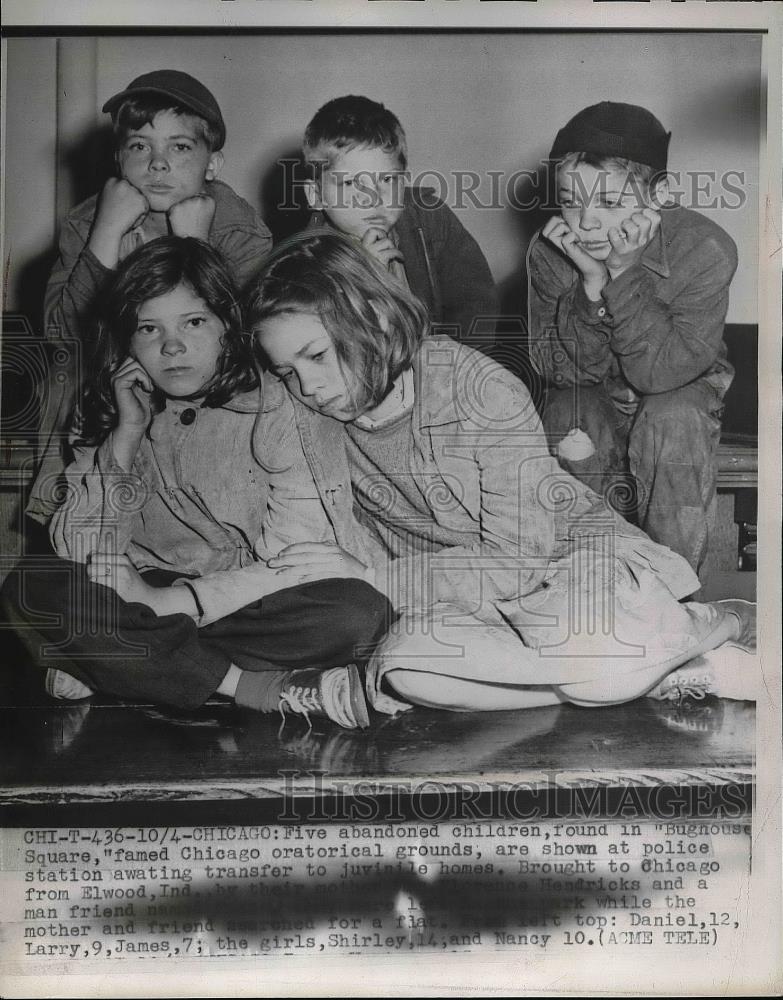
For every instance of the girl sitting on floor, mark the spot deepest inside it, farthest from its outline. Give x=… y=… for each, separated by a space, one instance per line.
x=516 y=585
x=184 y=469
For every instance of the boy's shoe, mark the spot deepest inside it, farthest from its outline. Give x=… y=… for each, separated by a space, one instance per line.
x=745 y=611
x=62 y=686
x=726 y=672
x=337 y=694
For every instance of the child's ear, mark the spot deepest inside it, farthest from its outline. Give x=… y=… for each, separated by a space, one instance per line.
x=214 y=166
x=313 y=194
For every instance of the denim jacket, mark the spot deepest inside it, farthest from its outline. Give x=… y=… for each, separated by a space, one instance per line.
x=658 y=326
x=479 y=441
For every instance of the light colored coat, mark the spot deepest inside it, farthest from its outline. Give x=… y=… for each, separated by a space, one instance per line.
x=478 y=442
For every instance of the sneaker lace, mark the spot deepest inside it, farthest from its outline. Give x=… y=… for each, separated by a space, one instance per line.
x=299 y=700
x=688 y=687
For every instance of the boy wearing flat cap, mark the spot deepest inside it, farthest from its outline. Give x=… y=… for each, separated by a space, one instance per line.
x=628 y=295
x=169 y=132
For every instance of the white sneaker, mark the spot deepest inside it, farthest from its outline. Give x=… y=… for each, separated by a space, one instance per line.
x=726 y=672
x=61 y=685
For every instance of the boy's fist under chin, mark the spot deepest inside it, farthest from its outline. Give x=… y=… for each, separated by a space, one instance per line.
x=192 y=216
x=121 y=206
x=594 y=273
x=382 y=247
x=629 y=239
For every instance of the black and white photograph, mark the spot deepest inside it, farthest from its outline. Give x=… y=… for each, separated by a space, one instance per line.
x=390 y=499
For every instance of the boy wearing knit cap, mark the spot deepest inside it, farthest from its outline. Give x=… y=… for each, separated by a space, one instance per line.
x=628 y=295
x=169 y=133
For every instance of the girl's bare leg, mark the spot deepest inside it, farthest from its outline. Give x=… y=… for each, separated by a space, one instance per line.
x=449 y=660
x=457 y=694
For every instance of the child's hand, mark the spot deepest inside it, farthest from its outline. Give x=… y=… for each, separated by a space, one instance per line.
x=121 y=206
x=132 y=387
x=306 y=561
x=119 y=574
x=192 y=216
x=382 y=247
x=629 y=240
x=594 y=274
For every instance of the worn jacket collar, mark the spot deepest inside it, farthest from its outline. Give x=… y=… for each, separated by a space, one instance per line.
x=440 y=368
x=248 y=402
x=655 y=257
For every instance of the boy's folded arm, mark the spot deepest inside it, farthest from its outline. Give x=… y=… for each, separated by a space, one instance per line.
x=73 y=285
x=664 y=345
x=569 y=334
x=101 y=506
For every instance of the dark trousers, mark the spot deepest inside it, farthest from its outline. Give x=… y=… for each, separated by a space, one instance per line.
x=126 y=650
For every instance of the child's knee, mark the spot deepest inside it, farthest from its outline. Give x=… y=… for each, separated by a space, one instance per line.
x=360 y=616
x=686 y=420
x=610 y=689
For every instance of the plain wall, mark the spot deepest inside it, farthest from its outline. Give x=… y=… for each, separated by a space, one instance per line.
x=475 y=102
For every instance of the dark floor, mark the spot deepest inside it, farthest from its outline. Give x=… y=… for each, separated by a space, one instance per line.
x=102 y=752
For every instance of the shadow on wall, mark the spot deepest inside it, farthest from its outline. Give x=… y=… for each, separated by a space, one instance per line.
x=281 y=199
x=86 y=165
x=524 y=207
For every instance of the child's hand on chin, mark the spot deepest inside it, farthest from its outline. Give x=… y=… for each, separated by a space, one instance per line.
x=594 y=273
x=132 y=389
x=382 y=247
x=121 y=206
x=192 y=216
x=630 y=239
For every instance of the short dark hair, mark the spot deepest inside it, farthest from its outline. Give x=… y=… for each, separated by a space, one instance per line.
x=136 y=112
x=376 y=329
x=152 y=270
x=353 y=122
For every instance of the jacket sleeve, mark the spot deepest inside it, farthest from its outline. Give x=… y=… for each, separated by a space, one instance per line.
x=102 y=506
x=465 y=283
x=516 y=525
x=76 y=278
x=569 y=334
x=664 y=345
x=244 y=245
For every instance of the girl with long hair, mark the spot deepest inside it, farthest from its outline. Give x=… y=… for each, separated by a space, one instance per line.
x=515 y=584
x=186 y=479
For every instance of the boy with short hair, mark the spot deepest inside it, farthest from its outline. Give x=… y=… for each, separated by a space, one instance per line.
x=357 y=152
x=169 y=133
x=628 y=295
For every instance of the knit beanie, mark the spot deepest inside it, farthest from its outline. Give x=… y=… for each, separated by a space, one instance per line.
x=610 y=129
